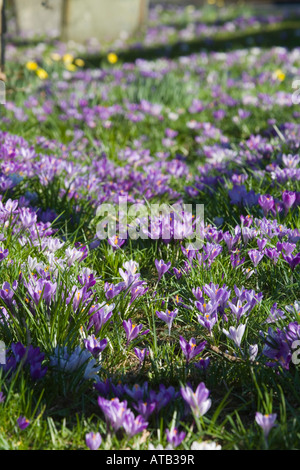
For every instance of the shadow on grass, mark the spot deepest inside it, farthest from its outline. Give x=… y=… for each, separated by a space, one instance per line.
x=283 y=35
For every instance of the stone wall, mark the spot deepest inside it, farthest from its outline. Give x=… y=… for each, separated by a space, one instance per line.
x=102 y=19
x=33 y=17
x=79 y=20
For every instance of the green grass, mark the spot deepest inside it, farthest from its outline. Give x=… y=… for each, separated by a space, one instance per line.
x=62 y=407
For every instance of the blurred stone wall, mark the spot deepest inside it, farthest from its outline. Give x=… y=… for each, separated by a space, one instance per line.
x=79 y=20
x=227 y=2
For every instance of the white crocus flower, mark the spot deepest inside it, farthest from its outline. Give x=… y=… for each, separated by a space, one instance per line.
x=205 y=446
x=236 y=334
x=71 y=362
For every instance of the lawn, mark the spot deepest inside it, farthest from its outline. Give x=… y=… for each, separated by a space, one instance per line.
x=153 y=341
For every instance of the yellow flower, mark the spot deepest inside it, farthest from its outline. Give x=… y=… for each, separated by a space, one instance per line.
x=71 y=67
x=55 y=56
x=112 y=58
x=80 y=63
x=32 y=65
x=68 y=58
x=42 y=74
x=279 y=75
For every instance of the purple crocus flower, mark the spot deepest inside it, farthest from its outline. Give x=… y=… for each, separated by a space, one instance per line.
x=248 y=234
x=197 y=293
x=198 y=400
x=239 y=309
x=2 y=397
x=114 y=411
x=5 y=183
x=255 y=256
x=141 y=354
x=203 y=364
x=187 y=267
x=237 y=193
x=95 y=346
x=174 y=437
x=118 y=389
x=266 y=422
x=3 y=254
x=190 y=349
x=219 y=114
x=93 y=440
x=211 y=251
x=132 y=425
x=217 y=294
x=208 y=308
x=163 y=397
x=272 y=253
x=275 y=314
x=130 y=278
x=248 y=220
x=288 y=198
x=177 y=272
x=145 y=409
x=236 y=261
x=209 y=317
x=291 y=161
x=87 y=279
x=261 y=243
x=277 y=349
x=230 y=240
x=116 y=242
x=78 y=297
x=170 y=133
x=101 y=316
x=28 y=356
x=162 y=267
x=132 y=331
x=23 y=422
x=168 y=317
x=10 y=207
x=137 y=291
x=292 y=332
x=103 y=387
x=138 y=392
x=111 y=290
x=7 y=293
x=243 y=114
x=292 y=260
x=41 y=288
x=266 y=202
x=189 y=253
x=27 y=217
x=286 y=247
